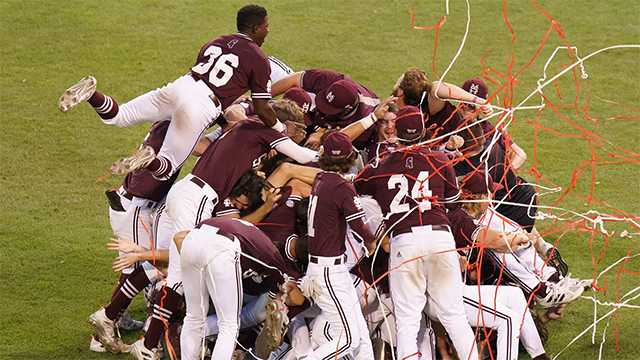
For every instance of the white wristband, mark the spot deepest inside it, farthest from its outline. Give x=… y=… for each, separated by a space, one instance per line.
x=368 y=121
x=278 y=126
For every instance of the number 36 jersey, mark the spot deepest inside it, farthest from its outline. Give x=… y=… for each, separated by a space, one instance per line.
x=415 y=180
x=232 y=64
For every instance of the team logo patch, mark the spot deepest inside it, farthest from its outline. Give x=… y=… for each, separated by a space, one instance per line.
x=330 y=97
x=232 y=43
x=474 y=89
x=289 y=203
x=357 y=202
x=409 y=163
x=228 y=203
x=305 y=107
x=336 y=152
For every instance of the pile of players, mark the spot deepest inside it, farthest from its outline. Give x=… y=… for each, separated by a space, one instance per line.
x=323 y=224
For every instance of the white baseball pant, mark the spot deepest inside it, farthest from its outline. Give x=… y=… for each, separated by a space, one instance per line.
x=208 y=264
x=189 y=105
x=135 y=223
x=187 y=204
x=331 y=287
x=425 y=261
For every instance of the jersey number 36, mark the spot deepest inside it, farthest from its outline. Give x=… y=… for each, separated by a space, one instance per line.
x=223 y=65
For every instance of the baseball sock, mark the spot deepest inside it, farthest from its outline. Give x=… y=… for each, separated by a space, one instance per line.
x=160 y=167
x=121 y=280
x=135 y=283
x=170 y=301
x=104 y=105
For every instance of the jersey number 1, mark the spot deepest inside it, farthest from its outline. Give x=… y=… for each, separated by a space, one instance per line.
x=420 y=192
x=222 y=69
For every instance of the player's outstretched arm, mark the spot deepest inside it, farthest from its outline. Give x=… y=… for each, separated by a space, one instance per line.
x=264 y=110
x=288 y=171
x=442 y=91
x=286 y=83
x=501 y=241
x=357 y=128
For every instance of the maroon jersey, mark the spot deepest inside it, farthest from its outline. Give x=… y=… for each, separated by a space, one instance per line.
x=317 y=80
x=234 y=153
x=333 y=203
x=416 y=180
x=255 y=244
x=446 y=121
x=232 y=64
x=280 y=224
x=141 y=183
x=225 y=208
x=463 y=227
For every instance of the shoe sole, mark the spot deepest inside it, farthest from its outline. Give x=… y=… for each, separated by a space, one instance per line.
x=77 y=93
x=271 y=335
x=139 y=160
x=102 y=337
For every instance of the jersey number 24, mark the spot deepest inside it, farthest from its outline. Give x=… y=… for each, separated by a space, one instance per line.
x=420 y=192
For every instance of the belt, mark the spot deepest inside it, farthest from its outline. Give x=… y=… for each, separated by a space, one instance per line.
x=196 y=180
x=433 y=228
x=125 y=194
x=229 y=236
x=213 y=96
x=328 y=260
x=129 y=196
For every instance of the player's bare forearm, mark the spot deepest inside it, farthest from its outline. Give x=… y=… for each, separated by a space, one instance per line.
x=287 y=171
x=517 y=156
x=500 y=241
x=259 y=214
x=235 y=113
x=201 y=146
x=155 y=256
x=356 y=129
x=265 y=112
x=286 y=83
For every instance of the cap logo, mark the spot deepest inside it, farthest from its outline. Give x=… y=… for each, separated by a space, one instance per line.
x=474 y=89
x=336 y=152
x=305 y=107
x=330 y=97
x=412 y=131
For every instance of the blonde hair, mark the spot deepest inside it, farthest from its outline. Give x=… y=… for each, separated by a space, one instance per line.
x=287 y=110
x=474 y=209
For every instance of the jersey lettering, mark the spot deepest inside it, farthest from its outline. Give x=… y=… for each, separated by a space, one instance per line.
x=313 y=202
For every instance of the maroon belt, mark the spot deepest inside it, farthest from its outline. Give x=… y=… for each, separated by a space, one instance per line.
x=433 y=228
x=197 y=181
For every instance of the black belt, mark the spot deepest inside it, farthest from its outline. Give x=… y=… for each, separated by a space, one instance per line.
x=433 y=228
x=197 y=181
x=338 y=261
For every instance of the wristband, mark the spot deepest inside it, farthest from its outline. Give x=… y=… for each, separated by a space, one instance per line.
x=278 y=126
x=368 y=121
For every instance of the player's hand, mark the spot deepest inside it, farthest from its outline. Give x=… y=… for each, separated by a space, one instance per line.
x=294 y=294
x=485 y=109
x=314 y=141
x=271 y=196
x=383 y=108
x=371 y=247
x=455 y=142
x=125 y=246
x=124 y=261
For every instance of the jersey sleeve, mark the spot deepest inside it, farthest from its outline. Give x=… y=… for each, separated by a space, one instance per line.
x=316 y=80
x=226 y=208
x=260 y=80
x=451 y=188
x=463 y=227
x=363 y=184
x=354 y=213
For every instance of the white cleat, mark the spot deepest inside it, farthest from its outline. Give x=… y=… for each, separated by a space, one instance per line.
x=140 y=159
x=104 y=332
x=140 y=352
x=563 y=292
x=78 y=93
x=96 y=346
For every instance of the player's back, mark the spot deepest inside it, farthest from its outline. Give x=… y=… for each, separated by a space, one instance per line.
x=418 y=181
x=234 y=153
x=231 y=65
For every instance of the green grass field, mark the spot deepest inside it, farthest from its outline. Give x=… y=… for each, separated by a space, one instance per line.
x=53 y=219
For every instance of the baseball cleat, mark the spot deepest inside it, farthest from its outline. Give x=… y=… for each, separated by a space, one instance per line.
x=78 y=93
x=555 y=259
x=96 y=346
x=104 y=332
x=140 y=159
x=140 y=352
x=562 y=292
x=126 y=322
x=274 y=329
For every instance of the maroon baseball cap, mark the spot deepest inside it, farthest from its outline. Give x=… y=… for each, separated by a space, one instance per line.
x=476 y=87
x=340 y=96
x=301 y=98
x=477 y=183
x=409 y=123
x=337 y=144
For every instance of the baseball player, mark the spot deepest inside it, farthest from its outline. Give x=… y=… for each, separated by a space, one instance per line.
x=413 y=185
x=339 y=100
x=332 y=205
x=131 y=211
x=208 y=253
x=226 y=67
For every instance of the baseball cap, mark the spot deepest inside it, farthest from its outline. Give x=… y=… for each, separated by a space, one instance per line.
x=337 y=144
x=301 y=98
x=409 y=123
x=477 y=183
x=476 y=87
x=340 y=96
